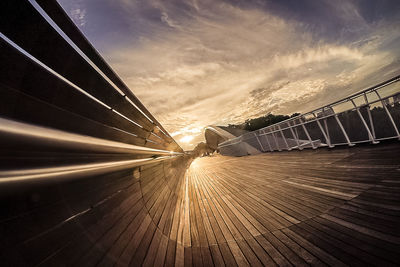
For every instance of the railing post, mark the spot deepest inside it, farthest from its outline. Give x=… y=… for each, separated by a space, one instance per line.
x=266 y=139
x=308 y=135
x=242 y=144
x=276 y=141
x=328 y=141
x=284 y=139
x=342 y=128
x=262 y=148
x=371 y=123
x=296 y=138
x=370 y=136
x=327 y=131
x=388 y=113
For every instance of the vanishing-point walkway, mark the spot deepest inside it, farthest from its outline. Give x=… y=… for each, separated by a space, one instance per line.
x=318 y=207
x=323 y=207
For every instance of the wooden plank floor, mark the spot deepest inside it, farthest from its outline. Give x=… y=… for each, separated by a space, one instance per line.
x=324 y=207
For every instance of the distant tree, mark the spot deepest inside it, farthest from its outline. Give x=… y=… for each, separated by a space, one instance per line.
x=294 y=115
x=263 y=121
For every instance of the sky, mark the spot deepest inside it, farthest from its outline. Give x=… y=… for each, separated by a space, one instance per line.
x=195 y=63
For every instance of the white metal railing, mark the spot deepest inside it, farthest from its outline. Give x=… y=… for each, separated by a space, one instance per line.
x=370 y=115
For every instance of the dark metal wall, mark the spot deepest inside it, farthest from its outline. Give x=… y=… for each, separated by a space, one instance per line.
x=78 y=151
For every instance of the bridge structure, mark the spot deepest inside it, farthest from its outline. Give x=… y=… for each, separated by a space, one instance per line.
x=371 y=115
x=88 y=177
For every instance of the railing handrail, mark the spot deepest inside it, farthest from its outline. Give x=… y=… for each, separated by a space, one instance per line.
x=57 y=138
x=28 y=136
x=13 y=179
x=323 y=108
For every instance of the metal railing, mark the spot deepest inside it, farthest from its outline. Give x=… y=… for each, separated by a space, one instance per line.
x=370 y=115
x=64 y=113
x=56 y=144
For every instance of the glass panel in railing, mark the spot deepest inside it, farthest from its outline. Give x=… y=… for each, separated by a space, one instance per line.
x=243 y=149
x=267 y=130
x=290 y=139
x=353 y=126
x=270 y=141
x=234 y=150
x=316 y=134
x=382 y=123
x=264 y=141
x=333 y=130
x=247 y=136
x=296 y=122
x=301 y=136
x=253 y=142
x=225 y=150
x=284 y=125
x=285 y=135
x=282 y=138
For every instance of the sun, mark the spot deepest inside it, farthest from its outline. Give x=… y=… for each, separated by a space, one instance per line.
x=186 y=139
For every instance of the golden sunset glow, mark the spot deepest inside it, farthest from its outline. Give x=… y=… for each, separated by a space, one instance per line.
x=198 y=63
x=186 y=139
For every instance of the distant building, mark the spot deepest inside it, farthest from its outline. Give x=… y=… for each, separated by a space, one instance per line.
x=215 y=135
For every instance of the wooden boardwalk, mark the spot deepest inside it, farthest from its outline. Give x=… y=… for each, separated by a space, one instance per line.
x=323 y=207
x=338 y=207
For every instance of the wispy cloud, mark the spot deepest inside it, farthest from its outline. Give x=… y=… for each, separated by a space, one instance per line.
x=168 y=21
x=78 y=13
x=195 y=63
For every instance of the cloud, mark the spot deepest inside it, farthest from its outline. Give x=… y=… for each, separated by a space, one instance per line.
x=196 y=63
x=168 y=21
x=78 y=16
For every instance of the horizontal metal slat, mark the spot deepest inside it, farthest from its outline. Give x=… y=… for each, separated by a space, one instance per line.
x=34 y=80
x=28 y=29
